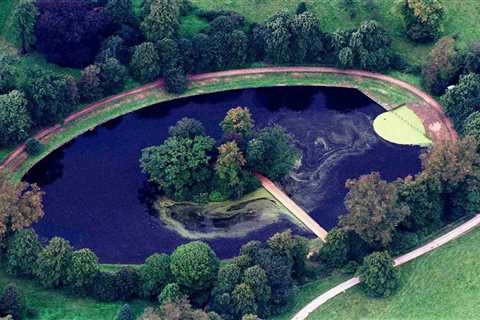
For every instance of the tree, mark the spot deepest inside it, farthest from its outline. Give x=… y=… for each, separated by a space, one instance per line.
x=244 y=300
x=170 y=293
x=472 y=59
x=442 y=67
x=472 y=126
x=52 y=263
x=154 y=274
x=301 y=8
x=187 y=128
x=22 y=252
x=125 y=313
x=278 y=37
x=162 y=20
x=463 y=99
x=238 y=46
x=228 y=170
x=51 y=96
x=451 y=163
x=7 y=73
x=15 y=121
x=194 y=266
x=69 y=31
x=25 y=17
x=145 y=62
x=105 y=286
x=334 y=253
x=307 y=42
x=12 y=302
x=272 y=152
x=127 y=283
x=238 y=123
x=423 y=19
x=113 y=47
x=112 y=76
x=175 y=80
x=90 y=84
x=378 y=276
x=33 y=146
x=20 y=205
x=82 y=270
x=121 y=11
x=179 y=165
x=373 y=209
x=425 y=200
x=256 y=278
x=345 y=57
x=180 y=309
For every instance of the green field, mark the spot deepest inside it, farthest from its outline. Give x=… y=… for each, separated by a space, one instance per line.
x=445 y=284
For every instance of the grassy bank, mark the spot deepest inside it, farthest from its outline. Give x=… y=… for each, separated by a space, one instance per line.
x=380 y=91
x=441 y=285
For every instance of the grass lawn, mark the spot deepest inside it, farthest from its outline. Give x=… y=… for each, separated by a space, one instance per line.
x=461 y=18
x=59 y=305
x=444 y=284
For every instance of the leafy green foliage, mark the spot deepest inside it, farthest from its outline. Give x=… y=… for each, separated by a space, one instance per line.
x=15 y=120
x=112 y=76
x=187 y=128
x=162 y=20
x=334 y=253
x=229 y=170
x=52 y=263
x=175 y=80
x=179 y=165
x=82 y=270
x=272 y=152
x=155 y=274
x=238 y=123
x=89 y=83
x=194 y=266
x=170 y=293
x=25 y=17
x=121 y=11
x=442 y=67
x=463 y=99
x=145 y=63
x=33 y=146
x=12 y=302
x=378 y=275
x=423 y=19
x=373 y=209
x=244 y=300
x=22 y=252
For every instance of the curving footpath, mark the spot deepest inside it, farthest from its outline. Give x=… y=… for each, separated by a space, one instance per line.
x=17 y=157
x=432 y=245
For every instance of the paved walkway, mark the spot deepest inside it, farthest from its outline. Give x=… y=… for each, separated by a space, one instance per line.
x=16 y=158
x=292 y=207
x=454 y=234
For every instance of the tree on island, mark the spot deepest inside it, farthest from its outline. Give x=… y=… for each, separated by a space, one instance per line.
x=373 y=209
x=229 y=170
x=187 y=128
x=272 y=152
x=179 y=165
x=238 y=123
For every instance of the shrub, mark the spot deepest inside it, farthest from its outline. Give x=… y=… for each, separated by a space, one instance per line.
x=334 y=252
x=52 y=263
x=12 y=302
x=378 y=276
x=154 y=275
x=145 y=62
x=175 y=80
x=82 y=270
x=170 y=293
x=127 y=283
x=15 y=122
x=33 y=146
x=216 y=196
x=125 y=313
x=194 y=266
x=22 y=252
x=105 y=286
x=187 y=128
x=423 y=19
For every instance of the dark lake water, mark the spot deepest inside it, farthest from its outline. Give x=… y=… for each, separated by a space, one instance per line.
x=95 y=191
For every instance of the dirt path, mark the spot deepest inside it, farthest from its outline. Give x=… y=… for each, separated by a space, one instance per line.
x=16 y=158
x=285 y=200
x=432 y=245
